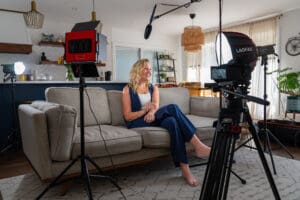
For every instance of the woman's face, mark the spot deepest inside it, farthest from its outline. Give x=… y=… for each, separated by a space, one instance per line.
x=146 y=72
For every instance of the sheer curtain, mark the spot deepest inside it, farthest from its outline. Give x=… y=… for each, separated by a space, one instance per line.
x=192 y=63
x=262 y=33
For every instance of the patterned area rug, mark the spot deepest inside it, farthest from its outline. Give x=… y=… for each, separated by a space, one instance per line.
x=159 y=180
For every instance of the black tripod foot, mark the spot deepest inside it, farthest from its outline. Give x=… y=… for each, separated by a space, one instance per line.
x=243 y=181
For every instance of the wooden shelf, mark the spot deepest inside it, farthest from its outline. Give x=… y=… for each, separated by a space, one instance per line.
x=49 y=62
x=15 y=48
x=161 y=71
x=100 y=64
x=55 y=44
x=166 y=59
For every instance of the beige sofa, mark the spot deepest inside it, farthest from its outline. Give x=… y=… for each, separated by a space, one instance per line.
x=51 y=136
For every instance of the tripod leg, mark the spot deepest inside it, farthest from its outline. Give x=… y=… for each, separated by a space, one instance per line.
x=57 y=178
x=243 y=144
x=268 y=145
x=261 y=155
x=278 y=142
x=217 y=166
x=101 y=176
x=243 y=181
x=85 y=174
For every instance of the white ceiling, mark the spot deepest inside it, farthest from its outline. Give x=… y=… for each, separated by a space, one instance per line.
x=135 y=14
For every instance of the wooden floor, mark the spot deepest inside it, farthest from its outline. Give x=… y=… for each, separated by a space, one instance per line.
x=15 y=163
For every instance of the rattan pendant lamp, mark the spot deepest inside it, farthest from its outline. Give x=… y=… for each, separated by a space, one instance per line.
x=33 y=18
x=192 y=38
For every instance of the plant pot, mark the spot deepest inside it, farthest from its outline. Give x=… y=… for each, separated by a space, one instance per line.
x=293 y=104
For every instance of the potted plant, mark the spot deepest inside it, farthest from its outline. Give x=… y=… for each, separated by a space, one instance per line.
x=163 y=77
x=289 y=83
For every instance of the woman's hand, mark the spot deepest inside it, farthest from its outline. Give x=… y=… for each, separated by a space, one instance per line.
x=150 y=107
x=149 y=117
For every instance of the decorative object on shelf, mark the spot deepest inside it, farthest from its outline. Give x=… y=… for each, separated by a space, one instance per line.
x=33 y=18
x=43 y=57
x=47 y=37
x=59 y=39
x=163 y=77
x=69 y=72
x=292 y=46
x=108 y=75
x=192 y=37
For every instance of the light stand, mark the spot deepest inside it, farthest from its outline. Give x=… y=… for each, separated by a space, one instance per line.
x=85 y=175
x=264 y=131
x=13 y=141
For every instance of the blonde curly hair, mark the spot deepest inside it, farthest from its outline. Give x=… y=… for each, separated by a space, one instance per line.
x=135 y=73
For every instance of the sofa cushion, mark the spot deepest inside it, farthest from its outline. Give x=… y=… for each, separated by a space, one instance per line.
x=205 y=106
x=204 y=125
x=176 y=95
x=157 y=137
x=118 y=140
x=61 y=125
x=154 y=137
x=97 y=105
x=115 y=106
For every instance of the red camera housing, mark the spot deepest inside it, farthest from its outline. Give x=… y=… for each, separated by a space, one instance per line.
x=80 y=46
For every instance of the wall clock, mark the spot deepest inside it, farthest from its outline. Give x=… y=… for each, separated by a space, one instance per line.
x=292 y=47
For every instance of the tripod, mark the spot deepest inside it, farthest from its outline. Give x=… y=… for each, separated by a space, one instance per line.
x=217 y=175
x=82 y=157
x=264 y=131
x=14 y=136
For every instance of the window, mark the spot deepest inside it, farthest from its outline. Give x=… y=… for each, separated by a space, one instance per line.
x=127 y=56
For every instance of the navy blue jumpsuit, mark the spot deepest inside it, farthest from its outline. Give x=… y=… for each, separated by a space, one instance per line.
x=170 y=117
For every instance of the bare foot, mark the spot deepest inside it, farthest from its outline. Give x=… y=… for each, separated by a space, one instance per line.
x=188 y=176
x=202 y=152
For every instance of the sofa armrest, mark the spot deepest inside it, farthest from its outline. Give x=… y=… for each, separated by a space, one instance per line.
x=205 y=106
x=61 y=128
x=33 y=126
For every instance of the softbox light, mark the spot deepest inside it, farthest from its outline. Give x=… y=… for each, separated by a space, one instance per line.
x=236 y=48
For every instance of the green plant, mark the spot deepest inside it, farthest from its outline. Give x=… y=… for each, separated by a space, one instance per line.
x=163 y=75
x=69 y=72
x=288 y=83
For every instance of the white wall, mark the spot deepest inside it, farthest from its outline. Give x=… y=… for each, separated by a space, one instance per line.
x=114 y=35
x=289 y=27
x=156 y=41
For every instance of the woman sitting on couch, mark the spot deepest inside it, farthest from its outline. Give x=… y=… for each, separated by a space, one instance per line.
x=140 y=101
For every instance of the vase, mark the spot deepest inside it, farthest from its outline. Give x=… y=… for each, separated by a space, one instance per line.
x=69 y=74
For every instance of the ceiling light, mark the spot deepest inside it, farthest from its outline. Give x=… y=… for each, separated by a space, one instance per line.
x=192 y=38
x=33 y=18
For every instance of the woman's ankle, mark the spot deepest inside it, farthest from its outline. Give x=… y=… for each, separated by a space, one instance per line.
x=188 y=176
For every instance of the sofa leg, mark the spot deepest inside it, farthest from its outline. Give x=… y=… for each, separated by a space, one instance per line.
x=65 y=187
